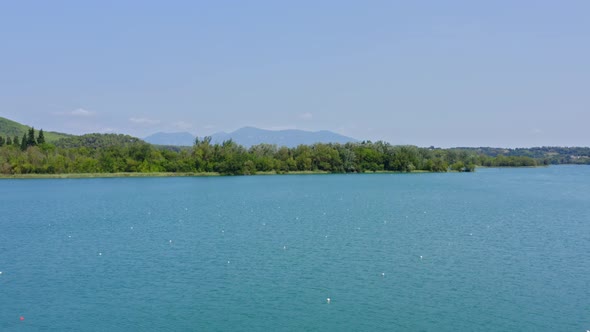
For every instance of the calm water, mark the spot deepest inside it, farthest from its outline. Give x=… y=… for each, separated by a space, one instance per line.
x=497 y=250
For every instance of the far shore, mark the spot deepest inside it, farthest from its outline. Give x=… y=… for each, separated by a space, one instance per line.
x=173 y=174
x=200 y=174
x=103 y=175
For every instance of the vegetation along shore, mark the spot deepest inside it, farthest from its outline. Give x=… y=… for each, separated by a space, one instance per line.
x=112 y=155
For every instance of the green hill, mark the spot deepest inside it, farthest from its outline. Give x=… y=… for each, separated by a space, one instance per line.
x=9 y=128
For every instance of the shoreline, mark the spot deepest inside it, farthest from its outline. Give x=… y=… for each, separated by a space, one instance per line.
x=104 y=175
x=178 y=174
x=208 y=174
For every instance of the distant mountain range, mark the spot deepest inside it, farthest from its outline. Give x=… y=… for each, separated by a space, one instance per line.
x=249 y=136
x=178 y=139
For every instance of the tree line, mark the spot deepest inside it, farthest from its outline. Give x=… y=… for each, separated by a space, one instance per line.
x=545 y=155
x=28 y=139
x=110 y=153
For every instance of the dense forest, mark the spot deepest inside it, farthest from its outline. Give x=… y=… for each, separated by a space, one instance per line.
x=111 y=153
x=545 y=154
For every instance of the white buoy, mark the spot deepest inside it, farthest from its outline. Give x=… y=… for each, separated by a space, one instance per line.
x=170 y=241
x=131 y=227
x=0 y=273
x=328 y=300
x=284 y=247
x=420 y=256
x=100 y=254
x=383 y=274
x=227 y=262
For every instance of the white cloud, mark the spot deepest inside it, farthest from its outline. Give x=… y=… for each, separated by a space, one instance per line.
x=79 y=112
x=144 y=121
x=183 y=125
x=306 y=116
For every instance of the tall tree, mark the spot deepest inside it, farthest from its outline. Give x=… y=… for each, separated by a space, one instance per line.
x=15 y=141
x=31 y=138
x=24 y=142
x=8 y=140
x=2 y=141
x=41 y=137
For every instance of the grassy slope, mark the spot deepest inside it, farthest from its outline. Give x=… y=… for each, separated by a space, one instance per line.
x=10 y=128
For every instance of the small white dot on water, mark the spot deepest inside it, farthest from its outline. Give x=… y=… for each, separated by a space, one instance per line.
x=383 y=274
x=284 y=247
x=100 y=254
x=170 y=241
x=227 y=262
x=420 y=257
x=328 y=300
x=0 y=272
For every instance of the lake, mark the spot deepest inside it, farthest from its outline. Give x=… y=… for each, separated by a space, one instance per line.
x=496 y=250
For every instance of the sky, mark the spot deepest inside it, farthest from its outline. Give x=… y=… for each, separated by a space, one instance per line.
x=441 y=73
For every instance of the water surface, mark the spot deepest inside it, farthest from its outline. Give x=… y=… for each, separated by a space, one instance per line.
x=496 y=250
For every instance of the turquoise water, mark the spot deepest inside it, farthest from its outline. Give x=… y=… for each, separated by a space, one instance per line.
x=496 y=250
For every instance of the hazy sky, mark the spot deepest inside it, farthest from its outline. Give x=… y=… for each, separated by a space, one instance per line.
x=443 y=73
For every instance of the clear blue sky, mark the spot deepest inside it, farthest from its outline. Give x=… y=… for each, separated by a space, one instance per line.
x=443 y=73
